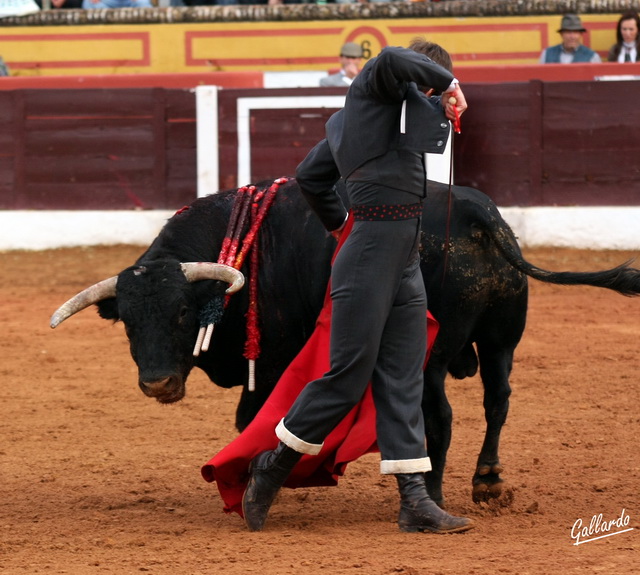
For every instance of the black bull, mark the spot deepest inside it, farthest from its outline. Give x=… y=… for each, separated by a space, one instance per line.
x=472 y=266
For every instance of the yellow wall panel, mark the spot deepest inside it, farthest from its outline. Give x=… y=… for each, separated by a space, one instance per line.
x=274 y=46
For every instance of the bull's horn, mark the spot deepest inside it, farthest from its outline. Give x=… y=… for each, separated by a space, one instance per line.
x=97 y=292
x=196 y=271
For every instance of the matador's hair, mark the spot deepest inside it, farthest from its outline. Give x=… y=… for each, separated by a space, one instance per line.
x=432 y=51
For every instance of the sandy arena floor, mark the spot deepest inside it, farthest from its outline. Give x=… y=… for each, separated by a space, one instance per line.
x=96 y=478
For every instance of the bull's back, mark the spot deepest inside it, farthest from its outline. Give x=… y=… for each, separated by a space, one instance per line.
x=472 y=290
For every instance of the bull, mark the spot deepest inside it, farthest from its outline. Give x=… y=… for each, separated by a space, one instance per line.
x=474 y=272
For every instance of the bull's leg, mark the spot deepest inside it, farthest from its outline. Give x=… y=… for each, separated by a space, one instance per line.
x=437 y=421
x=495 y=368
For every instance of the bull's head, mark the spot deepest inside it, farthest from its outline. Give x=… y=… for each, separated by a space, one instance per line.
x=160 y=312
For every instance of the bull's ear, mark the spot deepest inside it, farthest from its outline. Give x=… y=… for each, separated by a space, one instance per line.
x=108 y=309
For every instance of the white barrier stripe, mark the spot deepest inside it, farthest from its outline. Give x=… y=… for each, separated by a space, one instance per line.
x=597 y=228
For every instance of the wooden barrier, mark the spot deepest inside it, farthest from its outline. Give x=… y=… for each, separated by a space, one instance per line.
x=547 y=73
x=524 y=144
x=555 y=143
x=97 y=149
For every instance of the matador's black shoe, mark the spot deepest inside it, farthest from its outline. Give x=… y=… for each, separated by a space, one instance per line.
x=418 y=512
x=269 y=471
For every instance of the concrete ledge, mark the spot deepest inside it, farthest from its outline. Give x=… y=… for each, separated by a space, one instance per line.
x=40 y=230
x=603 y=228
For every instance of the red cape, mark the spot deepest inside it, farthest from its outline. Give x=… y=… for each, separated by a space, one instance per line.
x=352 y=438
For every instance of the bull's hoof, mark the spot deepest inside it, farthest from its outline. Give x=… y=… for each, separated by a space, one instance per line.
x=486 y=487
x=486 y=469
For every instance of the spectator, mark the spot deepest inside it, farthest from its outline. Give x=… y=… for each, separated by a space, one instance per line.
x=278 y=2
x=350 y=59
x=571 y=50
x=58 y=4
x=229 y=2
x=94 y=4
x=627 y=43
x=4 y=69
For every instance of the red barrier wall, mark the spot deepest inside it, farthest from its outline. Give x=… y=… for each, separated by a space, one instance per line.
x=527 y=144
x=544 y=72
x=97 y=149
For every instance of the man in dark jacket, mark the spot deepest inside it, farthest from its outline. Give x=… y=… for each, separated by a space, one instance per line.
x=377 y=143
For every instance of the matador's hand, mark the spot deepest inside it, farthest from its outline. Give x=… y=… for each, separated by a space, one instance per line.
x=451 y=106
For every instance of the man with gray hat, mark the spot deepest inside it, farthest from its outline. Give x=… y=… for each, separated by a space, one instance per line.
x=350 y=58
x=571 y=51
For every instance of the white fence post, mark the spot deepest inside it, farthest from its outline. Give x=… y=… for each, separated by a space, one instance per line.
x=207 y=153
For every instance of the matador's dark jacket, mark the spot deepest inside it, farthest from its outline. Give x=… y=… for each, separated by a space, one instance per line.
x=385 y=113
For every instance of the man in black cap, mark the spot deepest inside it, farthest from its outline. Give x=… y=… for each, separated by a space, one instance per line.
x=571 y=51
x=350 y=58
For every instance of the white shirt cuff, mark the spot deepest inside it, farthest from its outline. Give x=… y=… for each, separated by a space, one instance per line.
x=452 y=86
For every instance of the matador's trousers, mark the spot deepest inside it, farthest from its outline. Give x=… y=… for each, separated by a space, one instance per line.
x=378 y=335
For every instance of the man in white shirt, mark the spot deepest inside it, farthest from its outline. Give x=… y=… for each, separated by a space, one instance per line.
x=350 y=59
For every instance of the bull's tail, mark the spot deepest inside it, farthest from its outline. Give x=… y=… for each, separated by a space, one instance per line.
x=623 y=279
